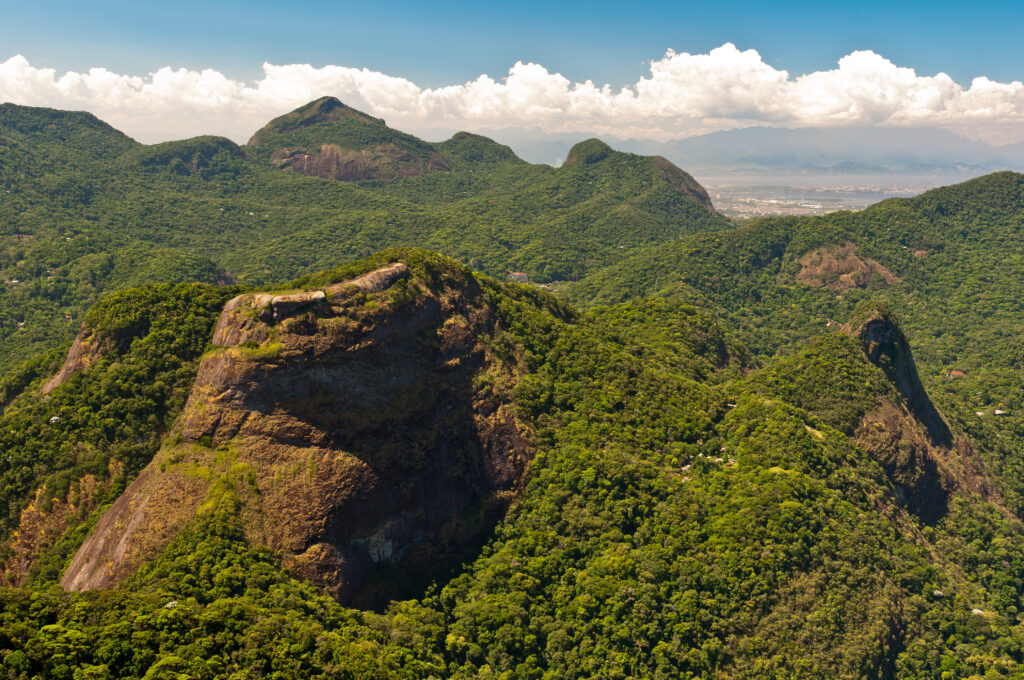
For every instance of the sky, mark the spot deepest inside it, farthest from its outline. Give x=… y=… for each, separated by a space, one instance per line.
x=656 y=70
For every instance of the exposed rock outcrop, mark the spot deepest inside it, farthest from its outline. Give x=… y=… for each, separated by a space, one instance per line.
x=373 y=282
x=328 y=139
x=839 y=268
x=83 y=352
x=44 y=521
x=350 y=422
x=883 y=342
x=382 y=161
x=89 y=346
x=911 y=438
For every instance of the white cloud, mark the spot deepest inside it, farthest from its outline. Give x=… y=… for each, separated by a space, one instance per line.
x=684 y=94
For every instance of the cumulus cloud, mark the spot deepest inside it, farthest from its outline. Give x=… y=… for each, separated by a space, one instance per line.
x=683 y=94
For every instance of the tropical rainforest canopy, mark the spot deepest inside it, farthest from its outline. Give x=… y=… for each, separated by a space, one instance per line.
x=791 y=448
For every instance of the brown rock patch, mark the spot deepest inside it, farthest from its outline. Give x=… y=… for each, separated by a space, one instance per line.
x=84 y=350
x=383 y=161
x=44 y=521
x=838 y=268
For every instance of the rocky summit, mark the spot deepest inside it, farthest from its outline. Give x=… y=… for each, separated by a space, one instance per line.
x=348 y=421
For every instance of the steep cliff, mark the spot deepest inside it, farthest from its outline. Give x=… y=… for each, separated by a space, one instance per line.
x=864 y=383
x=885 y=346
x=364 y=426
x=908 y=435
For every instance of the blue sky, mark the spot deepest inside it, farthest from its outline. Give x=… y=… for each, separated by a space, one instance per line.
x=434 y=44
x=673 y=69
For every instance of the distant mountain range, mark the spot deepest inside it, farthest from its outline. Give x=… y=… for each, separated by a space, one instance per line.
x=86 y=209
x=755 y=150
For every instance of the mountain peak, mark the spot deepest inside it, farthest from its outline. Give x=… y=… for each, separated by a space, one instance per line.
x=332 y=108
x=322 y=110
x=588 y=152
x=592 y=151
x=329 y=139
x=78 y=132
x=475 y=149
x=317 y=393
x=34 y=119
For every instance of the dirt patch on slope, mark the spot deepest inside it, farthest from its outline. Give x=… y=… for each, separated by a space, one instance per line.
x=84 y=350
x=839 y=268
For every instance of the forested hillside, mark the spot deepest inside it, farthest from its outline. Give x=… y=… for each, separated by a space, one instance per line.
x=789 y=449
x=87 y=210
x=685 y=514
x=948 y=262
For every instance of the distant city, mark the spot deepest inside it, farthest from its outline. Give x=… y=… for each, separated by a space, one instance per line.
x=749 y=197
x=759 y=201
x=758 y=171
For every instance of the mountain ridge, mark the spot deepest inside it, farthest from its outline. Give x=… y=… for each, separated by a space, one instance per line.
x=275 y=389
x=112 y=213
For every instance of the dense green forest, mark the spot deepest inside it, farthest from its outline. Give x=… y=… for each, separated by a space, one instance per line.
x=684 y=516
x=954 y=256
x=789 y=449
x=87 y=210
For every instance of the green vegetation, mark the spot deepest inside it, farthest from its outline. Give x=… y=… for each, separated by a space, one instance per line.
x=105 y=421
x=956 y=253
x=724 y=484
x=684 y=517
x=829 y=378
x=86 y=210
x=328 y=121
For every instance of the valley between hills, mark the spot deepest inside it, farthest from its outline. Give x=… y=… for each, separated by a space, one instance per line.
x=279 y=410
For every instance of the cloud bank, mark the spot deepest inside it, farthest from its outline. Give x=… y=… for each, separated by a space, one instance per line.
x=684 y=94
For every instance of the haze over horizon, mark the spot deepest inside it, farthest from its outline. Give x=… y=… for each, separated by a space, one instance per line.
x=733 y=391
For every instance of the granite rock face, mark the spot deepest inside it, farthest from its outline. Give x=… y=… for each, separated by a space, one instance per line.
x=381 y=161
x=328 y=139
x=908 y=435
x=84 y=350
x=351 y=425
